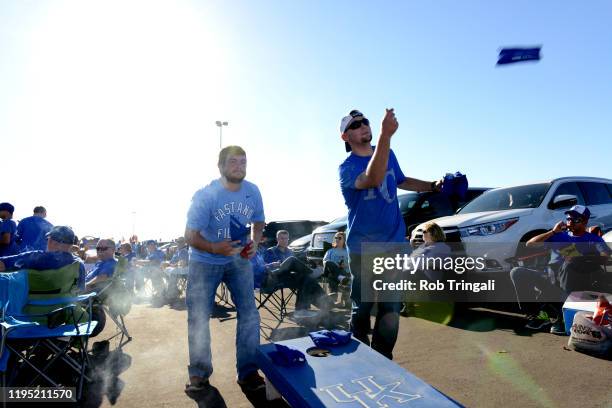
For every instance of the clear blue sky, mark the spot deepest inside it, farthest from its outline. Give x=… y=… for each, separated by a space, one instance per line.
x=108 y=108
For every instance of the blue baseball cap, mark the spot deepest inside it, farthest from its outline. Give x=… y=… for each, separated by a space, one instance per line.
x=61 y=234
x=579 y=211
x=7 y=207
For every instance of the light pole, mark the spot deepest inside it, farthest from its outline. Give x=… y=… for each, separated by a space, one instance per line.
x=221 y=124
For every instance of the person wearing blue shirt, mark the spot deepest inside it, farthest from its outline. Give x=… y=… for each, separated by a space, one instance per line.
x=280 y=251
x=575 y=253
x=176 y=268
x=31 y=231
x=369 y=179
x=8 y=228
x=226 y=205
x=152 y=265
x=284 y=269
x=104 y=267
x=57 y=255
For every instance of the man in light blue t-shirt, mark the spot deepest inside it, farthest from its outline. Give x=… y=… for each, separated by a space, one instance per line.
x=369 y=179
x=220 y=249
x=31 y=231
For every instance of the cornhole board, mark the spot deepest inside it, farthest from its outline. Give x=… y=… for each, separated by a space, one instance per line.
x=351 y=376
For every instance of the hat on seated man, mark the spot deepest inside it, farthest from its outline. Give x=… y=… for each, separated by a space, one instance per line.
x=58 y=254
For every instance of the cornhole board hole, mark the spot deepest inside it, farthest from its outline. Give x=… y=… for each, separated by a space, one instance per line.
x=349 y=376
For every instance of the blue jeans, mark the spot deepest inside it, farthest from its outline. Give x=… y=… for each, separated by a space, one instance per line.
x=201 y=287
x=386 y=326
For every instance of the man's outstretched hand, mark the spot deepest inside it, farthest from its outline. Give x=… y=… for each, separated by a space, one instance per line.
x=389 y=123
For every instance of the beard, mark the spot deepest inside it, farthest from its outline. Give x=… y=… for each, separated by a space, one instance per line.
x=233 y=179
x=366 y=138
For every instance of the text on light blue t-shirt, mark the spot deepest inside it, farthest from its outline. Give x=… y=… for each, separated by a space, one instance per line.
x=210 y=212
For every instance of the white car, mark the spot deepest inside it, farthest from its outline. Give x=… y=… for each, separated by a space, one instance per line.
x=498 y=220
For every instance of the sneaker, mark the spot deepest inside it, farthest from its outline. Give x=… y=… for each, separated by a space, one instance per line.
x=252 y=382
x=539 y=322
x=558 y=328
x=197 y=387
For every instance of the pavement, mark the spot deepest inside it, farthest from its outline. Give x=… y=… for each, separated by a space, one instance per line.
x=481 y=359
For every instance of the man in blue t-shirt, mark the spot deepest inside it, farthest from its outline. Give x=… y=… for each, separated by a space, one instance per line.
x=57 y=255
x=369 y=179
x=8 y=228
x=575 y=253
x=31 y=231
x=280 y=251
x=217 y=235
x=104 y=267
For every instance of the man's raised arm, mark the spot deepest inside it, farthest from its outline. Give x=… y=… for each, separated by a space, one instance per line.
x=377 y=167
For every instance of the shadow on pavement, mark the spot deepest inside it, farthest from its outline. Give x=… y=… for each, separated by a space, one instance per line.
x=484 y=320
x=258 y=399
x=105 y=371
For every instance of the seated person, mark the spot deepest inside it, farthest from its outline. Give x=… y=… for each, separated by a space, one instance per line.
x=125 y=250
x=280 y=251
x=574 y=251
x=335 y=263
x=8 y=229
x=153 y=262
x=98 y=277
x=433 y=247
x=290 y=274
x=58 y=254
x=175 y=267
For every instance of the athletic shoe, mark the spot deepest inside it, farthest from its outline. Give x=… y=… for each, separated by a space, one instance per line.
x=558 y=328
x=539 y=322
x=197 y=388
x=252 y=382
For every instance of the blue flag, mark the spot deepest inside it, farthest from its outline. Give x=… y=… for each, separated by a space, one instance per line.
x=512 y=55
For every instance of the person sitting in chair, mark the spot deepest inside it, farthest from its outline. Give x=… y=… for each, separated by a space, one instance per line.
x=58 y=254
x=104 y=268
x=176 y=267
x=153 y=262
x=335 y=263
x=290 y=274
x=574 y=251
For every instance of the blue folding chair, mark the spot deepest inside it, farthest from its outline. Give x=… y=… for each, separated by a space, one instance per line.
x=25 y=338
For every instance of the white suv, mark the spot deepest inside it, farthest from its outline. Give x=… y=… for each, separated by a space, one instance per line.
x=500 y=219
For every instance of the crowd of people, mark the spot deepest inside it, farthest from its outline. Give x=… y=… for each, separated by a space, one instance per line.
x=218 y=248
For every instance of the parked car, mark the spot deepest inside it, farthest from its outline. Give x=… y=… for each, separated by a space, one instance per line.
x=504 y=217
x=299 y=247
x=296 y=228
x=416 y=208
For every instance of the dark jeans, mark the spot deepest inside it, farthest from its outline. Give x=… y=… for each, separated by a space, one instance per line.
x=295 y=274
x=526 y=281
x=332 y=271
x=386 y=325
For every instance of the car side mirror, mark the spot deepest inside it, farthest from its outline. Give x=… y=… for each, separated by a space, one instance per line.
x=564 y=201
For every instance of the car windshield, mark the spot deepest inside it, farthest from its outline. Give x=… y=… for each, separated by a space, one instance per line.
x=343 y=219
x=407 y=201
x=529 y=196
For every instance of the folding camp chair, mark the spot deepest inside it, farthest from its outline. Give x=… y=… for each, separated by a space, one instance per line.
x=116 y=301
x=37 y=341
x=276 y=301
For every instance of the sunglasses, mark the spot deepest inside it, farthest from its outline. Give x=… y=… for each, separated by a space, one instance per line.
x=574 y=220
x=357 y=124
x=102 y=248
x=337 y=238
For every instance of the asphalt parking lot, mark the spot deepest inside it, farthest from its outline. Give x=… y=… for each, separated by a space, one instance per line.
x=482 y=359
